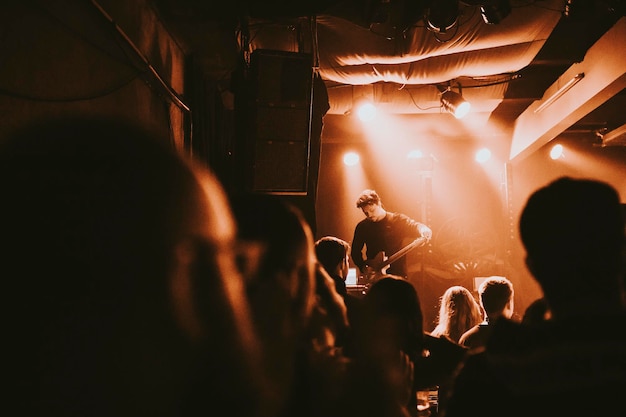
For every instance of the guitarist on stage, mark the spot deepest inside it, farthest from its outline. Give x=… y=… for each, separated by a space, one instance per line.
x=382 y=234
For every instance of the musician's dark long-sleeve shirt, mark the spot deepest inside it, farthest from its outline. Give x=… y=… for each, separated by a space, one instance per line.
x=388 y=236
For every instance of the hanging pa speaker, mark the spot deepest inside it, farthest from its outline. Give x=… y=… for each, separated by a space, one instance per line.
x=281 y=121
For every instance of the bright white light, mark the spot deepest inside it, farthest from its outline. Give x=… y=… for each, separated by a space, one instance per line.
x=556 y=152
x=483 y=155
x=366 y=112
x=415 y=154
x=351 y=159
x=351 y=279
x=462 y=109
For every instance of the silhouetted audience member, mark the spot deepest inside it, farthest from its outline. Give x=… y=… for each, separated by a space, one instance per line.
x=573 y=364
x=293 y=315
x=389 y=339
x=458 y=312
x=536 y=312
x=331 y=326
x=436 y=368
x=392 y=322
x=496 y=299
x=120 y=277
x=283 y=277
x=333 y=255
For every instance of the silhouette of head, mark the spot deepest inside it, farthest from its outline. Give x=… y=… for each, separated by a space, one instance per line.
x=117 y=254
x=573 y=232
x=392 y=306
x=333 y=253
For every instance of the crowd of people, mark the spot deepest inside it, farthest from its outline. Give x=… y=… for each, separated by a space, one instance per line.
x=138 y=287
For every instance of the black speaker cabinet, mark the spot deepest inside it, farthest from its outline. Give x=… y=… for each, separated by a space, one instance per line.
x=280 y=116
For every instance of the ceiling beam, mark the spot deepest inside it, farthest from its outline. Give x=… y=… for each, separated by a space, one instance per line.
x=604 y=69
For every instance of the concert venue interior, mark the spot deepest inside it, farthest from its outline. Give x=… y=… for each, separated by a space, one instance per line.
x=267 y=94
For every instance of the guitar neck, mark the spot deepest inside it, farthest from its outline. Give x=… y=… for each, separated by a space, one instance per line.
x=417 y=242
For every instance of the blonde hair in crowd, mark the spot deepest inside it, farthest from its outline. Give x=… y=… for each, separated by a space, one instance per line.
x=458 y=312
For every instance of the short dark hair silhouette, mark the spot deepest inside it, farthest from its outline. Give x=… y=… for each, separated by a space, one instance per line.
x=573 y=229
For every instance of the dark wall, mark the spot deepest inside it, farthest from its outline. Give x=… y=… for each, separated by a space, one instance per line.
x=69 y=58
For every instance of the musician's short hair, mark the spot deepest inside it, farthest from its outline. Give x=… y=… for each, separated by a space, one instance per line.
x=367 y=197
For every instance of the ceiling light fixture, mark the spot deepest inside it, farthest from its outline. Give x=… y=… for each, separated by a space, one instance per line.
x=442 y=15
x=454 y=102
x=493 y=11
x=615 y=137
x=564 y=89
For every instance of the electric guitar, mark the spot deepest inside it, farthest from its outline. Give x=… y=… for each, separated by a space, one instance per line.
x=379 y=264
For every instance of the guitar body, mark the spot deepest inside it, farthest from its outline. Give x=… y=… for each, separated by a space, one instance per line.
x=377 y=267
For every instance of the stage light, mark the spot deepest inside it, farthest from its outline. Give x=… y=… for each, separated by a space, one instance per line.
x=493 y=11
x=366 y=111
x=420 y=162
x=556 y=152
x=442 y=15
x=454 y=103
x=483 y=155
x=351 y=158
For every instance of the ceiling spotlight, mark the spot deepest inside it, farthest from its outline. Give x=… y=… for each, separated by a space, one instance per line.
x=557 y=151
x=493 y=11
x=442 y=15
x=351 y=158
x=482 y=155
x=454 y=103
x=366 y=111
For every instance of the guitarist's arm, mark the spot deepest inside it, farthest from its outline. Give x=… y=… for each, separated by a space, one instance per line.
x=404 y=228
x=412 y=228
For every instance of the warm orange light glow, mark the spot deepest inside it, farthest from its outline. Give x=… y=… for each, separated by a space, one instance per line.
x=596 y=162
x=388 y=141
x=343 y=206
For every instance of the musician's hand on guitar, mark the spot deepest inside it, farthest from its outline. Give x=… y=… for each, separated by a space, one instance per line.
x=369 y=273
x=426 y=232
